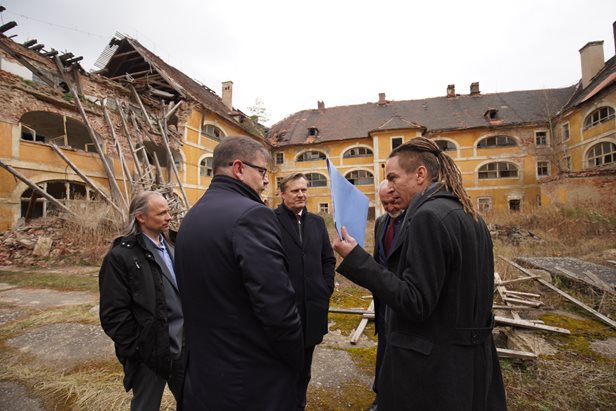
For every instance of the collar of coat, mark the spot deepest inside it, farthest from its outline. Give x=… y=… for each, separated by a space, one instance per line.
x=435 y=190
x=231 y=184
x=291 y=213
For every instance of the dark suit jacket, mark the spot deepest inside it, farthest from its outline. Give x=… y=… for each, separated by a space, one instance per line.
x=243 y=332
x=311 y=269
x=440 y=354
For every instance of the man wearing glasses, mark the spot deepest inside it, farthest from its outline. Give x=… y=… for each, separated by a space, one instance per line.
x=243 y=331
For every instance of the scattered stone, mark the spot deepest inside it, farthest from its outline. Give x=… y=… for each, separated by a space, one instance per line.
x=42 y=247
x=605 y=347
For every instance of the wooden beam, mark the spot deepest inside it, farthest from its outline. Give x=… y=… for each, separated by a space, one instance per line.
x=85 y=178
x=524 y=355
x=528 y=324
x=128 y=138
x=145 y=113
x=175 y=170
x=126 y=53
x=27 y=64
x=125 y=170
x=525 y=302
x=8 y=26
x=515 y=280
x=358 y=311
x=362 y=325
x=523 y=294
x=597 y=314
x=35 y=187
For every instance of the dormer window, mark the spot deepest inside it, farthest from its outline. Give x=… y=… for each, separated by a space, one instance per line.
x=491 y=114
x=313 y=131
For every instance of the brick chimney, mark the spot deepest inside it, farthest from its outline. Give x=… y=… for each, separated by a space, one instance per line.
x=320 y=105
x=591 y=56
x=227 y=94
x=382 y=100
x=451 y=90
x=475 y=89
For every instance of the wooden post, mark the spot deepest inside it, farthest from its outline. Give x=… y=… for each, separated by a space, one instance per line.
x=125 y=170
x=128 y=138
x=35 y=187
x=362 y=325
x=175 y=170
x=113 y=184
x=86 y=179
x=145 y=113
x=597 y=314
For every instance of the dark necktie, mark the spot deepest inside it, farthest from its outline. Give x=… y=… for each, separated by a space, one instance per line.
x=388 y=239
x=299 y=226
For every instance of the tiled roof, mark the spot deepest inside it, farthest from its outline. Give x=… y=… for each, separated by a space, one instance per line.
x=433 y=114
x=605 y=78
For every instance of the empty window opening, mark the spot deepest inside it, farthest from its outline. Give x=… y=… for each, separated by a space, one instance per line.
x=360 y=177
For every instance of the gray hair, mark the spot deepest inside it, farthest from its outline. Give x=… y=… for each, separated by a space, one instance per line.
x=138 y=205
x=237 y=148
x=296 y=176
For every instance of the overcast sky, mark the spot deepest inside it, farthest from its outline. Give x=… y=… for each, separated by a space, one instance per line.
x=290 y=54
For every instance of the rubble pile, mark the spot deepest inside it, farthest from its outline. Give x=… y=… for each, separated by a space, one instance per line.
x=510 y=234
x=41 y=243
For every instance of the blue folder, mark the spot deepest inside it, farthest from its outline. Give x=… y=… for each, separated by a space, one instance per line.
x=350 y=206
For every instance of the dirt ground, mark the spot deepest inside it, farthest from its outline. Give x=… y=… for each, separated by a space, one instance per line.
x=60 y=347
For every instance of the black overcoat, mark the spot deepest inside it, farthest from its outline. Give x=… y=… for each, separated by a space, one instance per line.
x=440 y=353
x=243 y=331
x=311 y=269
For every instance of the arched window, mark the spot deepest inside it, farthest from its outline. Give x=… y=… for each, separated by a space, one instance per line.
x=498 y=170
x=357 y=152
x=601 y=154
x=53 y=128
x=311 y=156
x=360 y=177
x=598 y=116
x=213 y=132
x=496 y=141
x=446 y=145
x=205 y=167
x=316 y=180
x=33 y=205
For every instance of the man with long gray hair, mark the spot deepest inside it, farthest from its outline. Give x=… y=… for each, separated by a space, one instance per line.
x=243 y=330
x=140 y=306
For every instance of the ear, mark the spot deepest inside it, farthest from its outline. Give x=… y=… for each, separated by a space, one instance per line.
x=422 y=174
x=140 y=218
x=237 y=170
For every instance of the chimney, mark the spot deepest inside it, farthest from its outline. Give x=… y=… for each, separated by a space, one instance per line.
x=451 y=90
x=227 y=94
x=475 y=89
x=320 y=105
x=382 y=100
x=591 y=56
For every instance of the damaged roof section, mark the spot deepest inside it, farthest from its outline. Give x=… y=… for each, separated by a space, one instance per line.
x=127 y=61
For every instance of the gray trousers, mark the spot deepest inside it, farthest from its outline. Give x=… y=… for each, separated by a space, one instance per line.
x=148 y=387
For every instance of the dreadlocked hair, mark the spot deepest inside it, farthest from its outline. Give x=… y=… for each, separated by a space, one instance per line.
x=441 y=168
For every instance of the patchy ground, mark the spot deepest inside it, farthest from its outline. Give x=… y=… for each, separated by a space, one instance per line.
x=47 y=334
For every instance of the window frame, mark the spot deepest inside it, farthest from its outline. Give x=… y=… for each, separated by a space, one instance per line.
x=359 y=155
x=497 y=171
x=484 y=209
x=363 y=179
x=203 y=165
x=324 y=208
x=300 y=157
x=212 y=136
x=511 y=142
x=311 y=181
x=601 y=116
x=279 y=155
x=401 y=139
x=602 y=155
x=544 y=138
x=541 y=167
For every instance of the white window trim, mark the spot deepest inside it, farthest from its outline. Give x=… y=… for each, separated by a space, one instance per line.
x=537 y=169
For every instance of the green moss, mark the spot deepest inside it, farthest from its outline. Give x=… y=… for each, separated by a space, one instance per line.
x=353 y=395
x=61 y=282
x=363 y=358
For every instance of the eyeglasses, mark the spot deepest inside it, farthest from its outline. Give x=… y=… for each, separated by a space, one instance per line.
x=261 y=170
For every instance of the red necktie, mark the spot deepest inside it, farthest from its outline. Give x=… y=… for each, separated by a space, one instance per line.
x=388 y=239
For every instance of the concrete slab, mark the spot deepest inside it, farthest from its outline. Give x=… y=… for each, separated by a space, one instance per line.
x=44 y=298
x=15 y=397
x=574 y=265
x=63 y=346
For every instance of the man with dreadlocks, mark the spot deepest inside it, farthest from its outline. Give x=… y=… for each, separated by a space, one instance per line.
x=438 y=287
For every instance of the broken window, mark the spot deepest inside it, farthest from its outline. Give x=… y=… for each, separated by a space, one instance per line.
x=498 y=170
x=445 y=145
x=484 y=204
x=395 y=142
x=601 y=154
x=515 y=204
x=360 y=177
x=205 y=168
x=316 y=180
x=357 y=152
x=311 y=156
x=598 y=116
x=33 y=205
x=496 y=141
x=50 y=128
x=213 y=132
x=541 y=138
x=543 y=168
x=324 y=208
x=279 y=158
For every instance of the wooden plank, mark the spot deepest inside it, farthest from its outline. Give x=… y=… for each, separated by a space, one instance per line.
x=512 y=307
x=24 y=62
x=597 y=314
x=588 y=278
x=525 y=302
x=141 y=106
x=523 y=294
x=359 y=311
x=515 y=280
x=128 y=138
x=524 y=355
x=34 y=187
x=175 y=170
x=529 y=324
x=362 y=326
